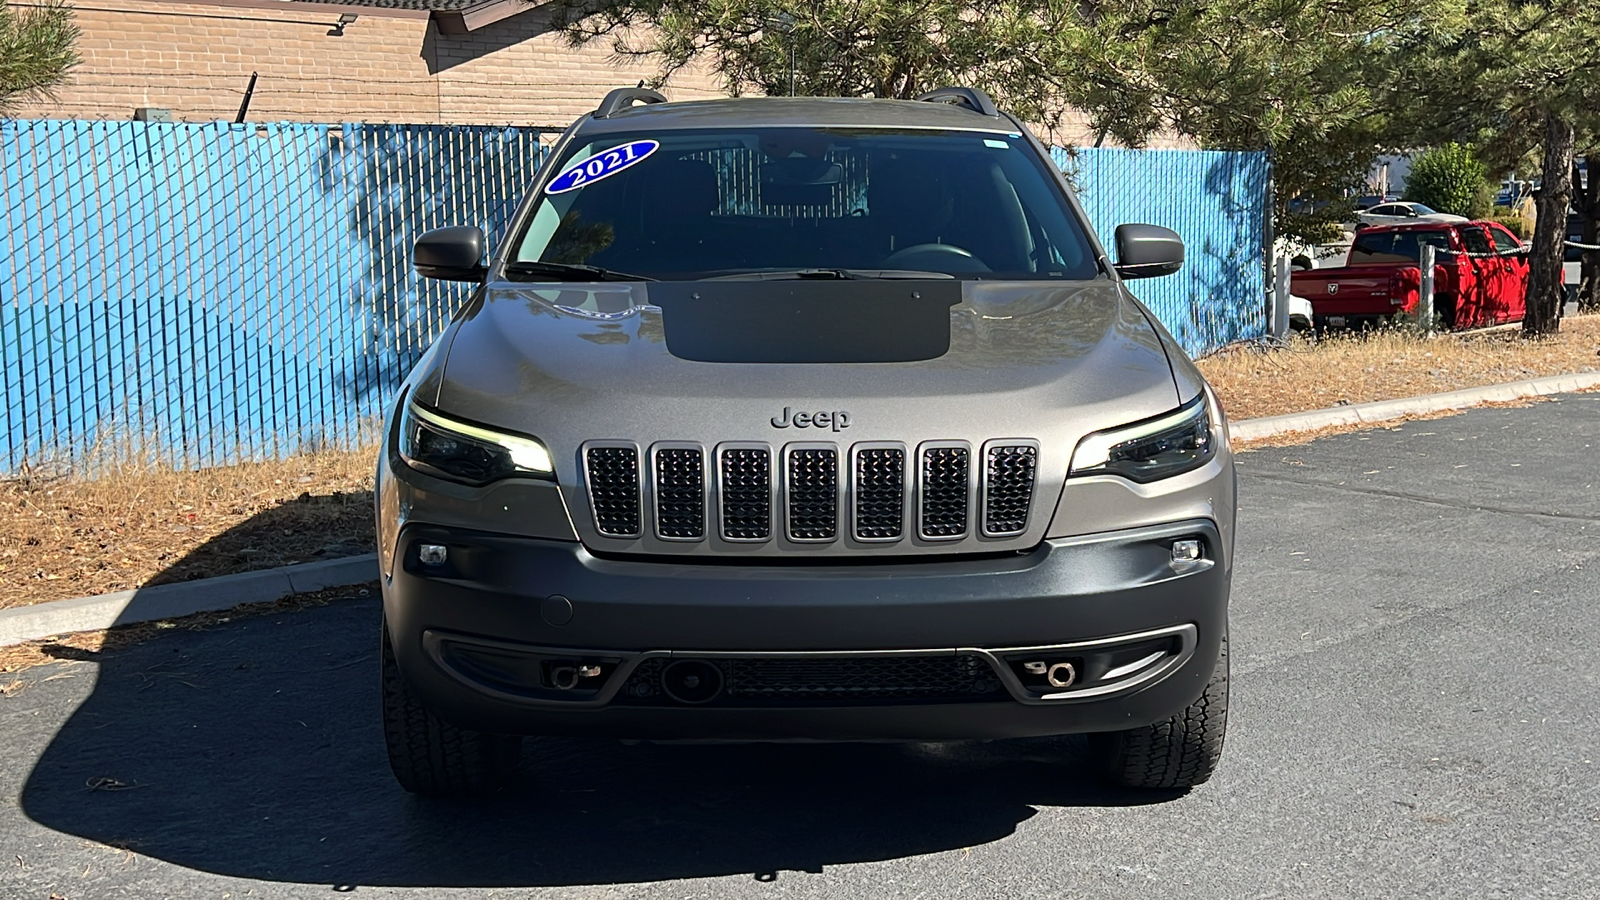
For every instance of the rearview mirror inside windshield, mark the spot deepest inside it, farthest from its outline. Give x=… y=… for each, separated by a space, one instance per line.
x=800 y=170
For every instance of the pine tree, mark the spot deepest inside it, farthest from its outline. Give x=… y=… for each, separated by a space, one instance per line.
x=36 y=50
x=1301 y=78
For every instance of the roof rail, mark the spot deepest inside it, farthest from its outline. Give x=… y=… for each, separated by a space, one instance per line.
x=971 y=98
x=624 y=98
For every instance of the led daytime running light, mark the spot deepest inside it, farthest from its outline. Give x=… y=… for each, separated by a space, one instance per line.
x=1094 y=451
x=526 y=454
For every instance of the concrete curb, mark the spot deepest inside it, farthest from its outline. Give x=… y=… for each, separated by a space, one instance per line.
x=1387 y=410
x=167 y=601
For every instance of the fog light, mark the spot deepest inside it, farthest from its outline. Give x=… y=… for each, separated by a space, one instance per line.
x=1185 y=551
x=436 y=554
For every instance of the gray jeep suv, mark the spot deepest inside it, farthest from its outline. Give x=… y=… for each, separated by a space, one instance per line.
x=803 y=419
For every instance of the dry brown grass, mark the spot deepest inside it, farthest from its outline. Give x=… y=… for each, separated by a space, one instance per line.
x=1389 y=364
x=135 y=526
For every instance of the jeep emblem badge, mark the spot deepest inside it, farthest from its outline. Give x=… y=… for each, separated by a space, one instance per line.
x=838 y=419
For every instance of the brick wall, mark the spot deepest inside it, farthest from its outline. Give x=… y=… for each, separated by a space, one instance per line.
x=517 y=70
x=389 y=66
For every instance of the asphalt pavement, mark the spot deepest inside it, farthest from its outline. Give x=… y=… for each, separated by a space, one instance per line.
x=1415 y=710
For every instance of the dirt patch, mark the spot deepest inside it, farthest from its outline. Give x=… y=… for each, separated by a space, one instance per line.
x=64 y=537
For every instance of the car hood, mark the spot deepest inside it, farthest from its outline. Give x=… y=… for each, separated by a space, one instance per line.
x=570 y=363
x=983 y=362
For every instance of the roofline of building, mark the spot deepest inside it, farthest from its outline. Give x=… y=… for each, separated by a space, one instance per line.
x=464 y=21
x=297 y=7
x=453 y=21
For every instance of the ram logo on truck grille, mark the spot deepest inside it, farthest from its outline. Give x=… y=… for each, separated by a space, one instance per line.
x=811 y=492
x=1333 y=288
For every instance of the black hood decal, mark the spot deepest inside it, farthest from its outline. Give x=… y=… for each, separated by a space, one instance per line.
x=824 y=321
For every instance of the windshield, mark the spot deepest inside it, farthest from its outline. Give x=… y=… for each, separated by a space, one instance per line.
x=1395 y=246
x=684 y=205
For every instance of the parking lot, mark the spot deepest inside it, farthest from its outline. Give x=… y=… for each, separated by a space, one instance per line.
x=1416 y=698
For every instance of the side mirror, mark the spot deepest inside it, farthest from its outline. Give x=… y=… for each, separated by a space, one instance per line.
x=1148 y=251
x=451 y=254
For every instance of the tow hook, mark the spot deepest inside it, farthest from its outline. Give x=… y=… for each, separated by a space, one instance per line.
x=1058 y=675
x=565 y=677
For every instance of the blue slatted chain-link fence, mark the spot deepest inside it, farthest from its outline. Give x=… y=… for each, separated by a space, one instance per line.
x=218 y=292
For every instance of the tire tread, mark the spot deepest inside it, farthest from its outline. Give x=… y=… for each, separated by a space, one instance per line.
x=1179 y=752
x=432 y=757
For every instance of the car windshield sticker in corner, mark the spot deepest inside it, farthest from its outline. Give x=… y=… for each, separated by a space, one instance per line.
x=602 y=165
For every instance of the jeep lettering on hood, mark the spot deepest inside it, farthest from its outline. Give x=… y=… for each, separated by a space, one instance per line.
x=838 y=420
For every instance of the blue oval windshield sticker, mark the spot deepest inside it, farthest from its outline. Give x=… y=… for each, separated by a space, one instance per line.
x=602 y=165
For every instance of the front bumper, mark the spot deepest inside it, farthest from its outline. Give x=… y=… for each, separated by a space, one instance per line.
x=479 y=637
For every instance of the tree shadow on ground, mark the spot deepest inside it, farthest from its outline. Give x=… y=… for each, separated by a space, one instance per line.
x=252 y=748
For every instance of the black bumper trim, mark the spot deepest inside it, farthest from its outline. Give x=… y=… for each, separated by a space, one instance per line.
x=437 y=644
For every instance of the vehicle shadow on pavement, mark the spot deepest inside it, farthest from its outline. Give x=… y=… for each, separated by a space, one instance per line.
x=252 y=748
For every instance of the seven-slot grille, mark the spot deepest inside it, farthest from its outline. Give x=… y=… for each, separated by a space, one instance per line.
x=939 y=477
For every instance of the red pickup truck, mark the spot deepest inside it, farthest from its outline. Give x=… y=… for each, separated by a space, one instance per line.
x=1480 y=276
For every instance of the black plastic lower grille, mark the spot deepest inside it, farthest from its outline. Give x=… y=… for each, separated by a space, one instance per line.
x=880 y=493
x=680 y=493
x=944 y=491
x=1008 y=488
x=813 y=486
x=746 y=492
x=832 y=680
x=613 y=474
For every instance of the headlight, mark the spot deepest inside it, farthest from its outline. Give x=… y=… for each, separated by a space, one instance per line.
x=1148 y=451
x=470 y=453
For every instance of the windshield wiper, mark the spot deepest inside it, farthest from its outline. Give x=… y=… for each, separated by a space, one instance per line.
x=830 y=275
x=555 y=271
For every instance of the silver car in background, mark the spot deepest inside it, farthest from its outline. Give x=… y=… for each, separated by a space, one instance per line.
x=1403 y=213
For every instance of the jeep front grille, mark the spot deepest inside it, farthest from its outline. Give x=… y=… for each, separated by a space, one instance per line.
x=879 y=475
x=812 y=502
x=944 y=492
x=1008 y=487
x=680 y=493
x=745 y=488
x=613 y=478
x=876 y=485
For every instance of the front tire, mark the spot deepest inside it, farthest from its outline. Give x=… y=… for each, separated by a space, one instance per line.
x=1180 y=752
x=432 y=757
